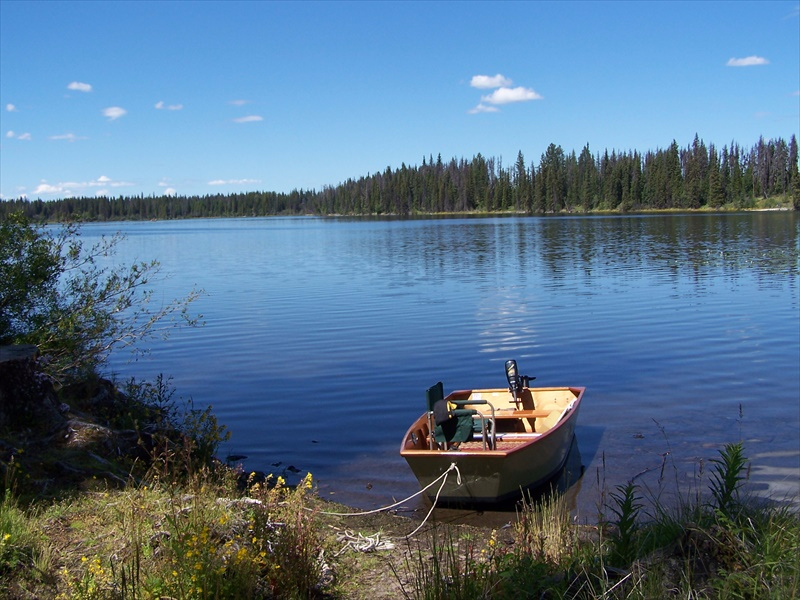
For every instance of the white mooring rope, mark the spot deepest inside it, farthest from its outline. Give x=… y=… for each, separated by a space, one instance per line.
x=442 y=477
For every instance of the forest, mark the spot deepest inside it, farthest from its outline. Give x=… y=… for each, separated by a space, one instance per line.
x=698 y=176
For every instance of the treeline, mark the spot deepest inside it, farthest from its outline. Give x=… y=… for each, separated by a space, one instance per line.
x=694 y=177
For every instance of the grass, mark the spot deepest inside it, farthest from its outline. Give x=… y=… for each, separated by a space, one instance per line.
x=156 y=540
x=724 y=547
x=208 y=538
x=186 y=527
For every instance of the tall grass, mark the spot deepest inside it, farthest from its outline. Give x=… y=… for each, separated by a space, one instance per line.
x=170 y=543
x=726 y=546
x=447 y=566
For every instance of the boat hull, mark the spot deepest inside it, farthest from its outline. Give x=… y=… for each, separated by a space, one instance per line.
x=492 y=476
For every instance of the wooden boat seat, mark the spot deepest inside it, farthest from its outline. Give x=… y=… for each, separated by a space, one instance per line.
x=522 y=414
x=532 y=420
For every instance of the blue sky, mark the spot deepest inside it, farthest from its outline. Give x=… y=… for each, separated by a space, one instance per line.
x=128 y=98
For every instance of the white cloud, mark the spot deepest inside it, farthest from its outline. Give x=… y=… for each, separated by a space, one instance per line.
x=11 y=108
x=482 y=108
x=749 y=61
x=65 y=189
x=233 y=181
x=46 y=188
x=69 y=137
x=79 y=87
x=506 y=95
x=19 y=136
x=239 y=102
x=169 y=191
x=487 y=82
x=248 y=119
x=114 y=112
x=161 y=106
x=503 y=93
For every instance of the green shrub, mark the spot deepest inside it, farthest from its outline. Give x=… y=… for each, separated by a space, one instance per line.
x=55 y=294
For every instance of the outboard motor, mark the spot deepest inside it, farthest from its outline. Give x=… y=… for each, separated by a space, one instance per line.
x=516 y=382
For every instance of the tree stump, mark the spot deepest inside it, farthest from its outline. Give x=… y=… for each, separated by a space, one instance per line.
x=26 y=394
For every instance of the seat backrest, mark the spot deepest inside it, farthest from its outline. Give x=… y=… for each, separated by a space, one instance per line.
x=450 y=426
x=434 y=394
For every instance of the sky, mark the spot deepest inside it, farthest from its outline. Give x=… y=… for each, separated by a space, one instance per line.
x=128 y=98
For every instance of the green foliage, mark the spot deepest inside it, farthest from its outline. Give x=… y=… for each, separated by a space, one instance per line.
x=764 y=562
x=623 y=541
x=147 y=402
x=189 y=436
x=57 y=294
x=30 y=264
x=726 y=478
x=673 y=178
x=204 y=433
x=19 y=541
x=158 y=542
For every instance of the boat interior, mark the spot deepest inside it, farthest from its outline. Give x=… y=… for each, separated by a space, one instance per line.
x=489 y=419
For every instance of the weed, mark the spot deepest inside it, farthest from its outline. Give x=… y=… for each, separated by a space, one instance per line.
x=726 y=478
x=623 y=540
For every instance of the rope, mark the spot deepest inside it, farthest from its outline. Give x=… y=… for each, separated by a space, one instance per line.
x=436 y=499
x=371 y=543
x=430 y=485
x=362 y=543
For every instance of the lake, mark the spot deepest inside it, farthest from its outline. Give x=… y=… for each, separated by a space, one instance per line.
x=322 y=334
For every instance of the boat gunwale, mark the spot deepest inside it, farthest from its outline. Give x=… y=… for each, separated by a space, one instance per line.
x=491 y=454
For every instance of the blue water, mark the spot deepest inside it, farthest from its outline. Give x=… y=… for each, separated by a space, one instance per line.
x=321 y=336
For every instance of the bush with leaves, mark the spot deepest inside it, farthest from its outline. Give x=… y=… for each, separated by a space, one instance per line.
x=58 y=294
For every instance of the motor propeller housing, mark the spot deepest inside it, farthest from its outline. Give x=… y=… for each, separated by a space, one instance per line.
x=516 y=382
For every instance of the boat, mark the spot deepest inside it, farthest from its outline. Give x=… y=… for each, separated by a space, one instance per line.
x=490 y=446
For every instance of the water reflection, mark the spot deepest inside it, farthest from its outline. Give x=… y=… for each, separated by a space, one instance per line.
x=322 y=335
